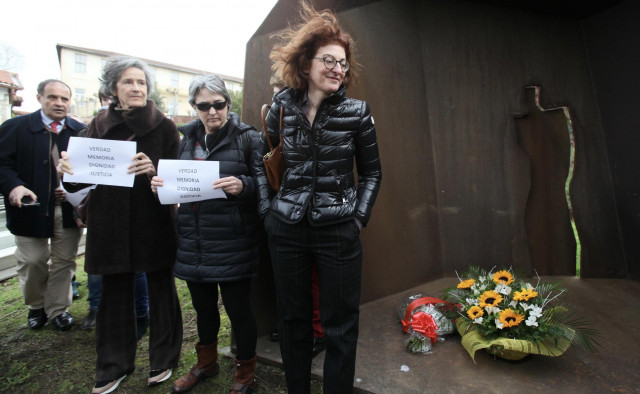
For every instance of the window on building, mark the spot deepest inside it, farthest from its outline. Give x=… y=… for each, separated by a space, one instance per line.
x=173 y=110
x=175 y=79
x=79 y=93
x=81 y=63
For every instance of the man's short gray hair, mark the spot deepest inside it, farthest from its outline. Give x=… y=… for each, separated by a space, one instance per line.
x=211 y=82
x=42 y=85
x=113 y=70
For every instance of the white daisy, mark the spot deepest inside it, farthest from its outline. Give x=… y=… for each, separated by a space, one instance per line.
x=531 y=321
x=492 y=309
x=535 y=311
x=503 y=289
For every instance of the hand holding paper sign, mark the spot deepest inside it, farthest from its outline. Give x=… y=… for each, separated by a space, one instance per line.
x=230 y=185
x=181 y=181
x=142 y=164
x=103 y=162
x=63 y=164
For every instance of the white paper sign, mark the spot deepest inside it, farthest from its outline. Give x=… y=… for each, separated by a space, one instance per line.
x=76 y=198
x=102 y=162
x=188 y=180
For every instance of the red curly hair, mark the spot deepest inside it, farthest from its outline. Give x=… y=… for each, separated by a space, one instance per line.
x=298 y=45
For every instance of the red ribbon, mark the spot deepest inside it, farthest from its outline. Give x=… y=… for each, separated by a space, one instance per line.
x=422 y=322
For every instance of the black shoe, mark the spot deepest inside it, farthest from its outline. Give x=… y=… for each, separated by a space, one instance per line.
x=319 y=344
x=274 y=336
x=89 y=322
x=37 y=318
x=63 y=322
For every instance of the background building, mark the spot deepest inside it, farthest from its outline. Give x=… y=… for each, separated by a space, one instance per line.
x=9 y=86
x=81 y=67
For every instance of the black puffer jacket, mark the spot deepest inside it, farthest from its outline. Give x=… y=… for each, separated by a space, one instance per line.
x=319 y=178
x=218 y=238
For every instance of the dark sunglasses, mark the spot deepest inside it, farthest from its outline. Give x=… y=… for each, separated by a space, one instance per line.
x=205 y=107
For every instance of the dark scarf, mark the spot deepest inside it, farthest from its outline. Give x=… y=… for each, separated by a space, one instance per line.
x=210 y=141
x=140 y=121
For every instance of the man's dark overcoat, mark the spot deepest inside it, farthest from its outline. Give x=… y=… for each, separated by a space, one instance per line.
x=25 y=159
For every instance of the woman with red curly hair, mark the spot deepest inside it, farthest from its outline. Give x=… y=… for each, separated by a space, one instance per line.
x=316 y=216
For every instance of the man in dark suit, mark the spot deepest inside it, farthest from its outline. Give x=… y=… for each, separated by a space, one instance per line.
x=36 y=210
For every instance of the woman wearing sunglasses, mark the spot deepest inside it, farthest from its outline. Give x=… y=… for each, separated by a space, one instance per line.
x=316 y=216
x=217 y=238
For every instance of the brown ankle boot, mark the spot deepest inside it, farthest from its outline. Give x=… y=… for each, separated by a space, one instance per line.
x=245 y=376
x=206 y=366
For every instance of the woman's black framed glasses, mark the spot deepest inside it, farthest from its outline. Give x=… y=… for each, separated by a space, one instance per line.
x=330 y=62
x=205 y=107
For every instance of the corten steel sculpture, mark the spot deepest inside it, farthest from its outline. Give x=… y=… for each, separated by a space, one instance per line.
x=443 y=80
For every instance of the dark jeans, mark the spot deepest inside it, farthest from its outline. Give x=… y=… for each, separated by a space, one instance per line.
x=116 y=334
x=337 y=252
x=94 y=283
x=236 y=300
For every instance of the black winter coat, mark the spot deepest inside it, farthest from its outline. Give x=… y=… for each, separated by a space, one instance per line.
x=319 y=180
x=25 y=159
x=217 y=238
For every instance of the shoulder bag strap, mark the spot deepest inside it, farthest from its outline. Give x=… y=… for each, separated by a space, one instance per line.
x=264 y=111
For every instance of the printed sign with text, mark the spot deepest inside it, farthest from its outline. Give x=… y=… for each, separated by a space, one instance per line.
x=100 y=162
x=188 y=180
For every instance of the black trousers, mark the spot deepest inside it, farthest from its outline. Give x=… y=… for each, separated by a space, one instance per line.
x=236 y=300
x=337 y=252
x=116 y=335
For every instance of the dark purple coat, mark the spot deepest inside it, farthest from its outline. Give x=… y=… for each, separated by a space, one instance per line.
x=128 y=229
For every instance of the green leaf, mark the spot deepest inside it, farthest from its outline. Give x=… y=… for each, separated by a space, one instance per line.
x=473 y=340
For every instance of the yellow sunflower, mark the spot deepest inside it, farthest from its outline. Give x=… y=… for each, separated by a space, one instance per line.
x=503 y=277
x=465 y=284
x=475 y=312
x=489 y=298
x=525 y=294
x=509 y=318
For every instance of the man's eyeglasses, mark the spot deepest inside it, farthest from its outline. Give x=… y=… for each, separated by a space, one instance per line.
x=330 y=62
x=205 y=107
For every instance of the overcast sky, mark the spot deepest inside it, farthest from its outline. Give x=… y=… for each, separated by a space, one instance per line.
x=209 y=35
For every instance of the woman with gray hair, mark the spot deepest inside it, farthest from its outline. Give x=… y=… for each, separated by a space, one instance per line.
x=217 y=238
x=130 y=232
